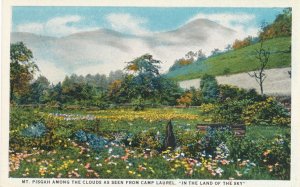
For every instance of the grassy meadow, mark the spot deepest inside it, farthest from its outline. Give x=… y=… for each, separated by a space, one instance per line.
x=237 y=61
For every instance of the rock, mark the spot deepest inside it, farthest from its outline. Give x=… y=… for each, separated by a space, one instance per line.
x=170 y=140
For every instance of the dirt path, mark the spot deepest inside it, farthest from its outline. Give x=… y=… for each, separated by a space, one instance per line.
x=277 y=81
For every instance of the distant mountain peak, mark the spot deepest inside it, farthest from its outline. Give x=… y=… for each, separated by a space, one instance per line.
x=104 y=50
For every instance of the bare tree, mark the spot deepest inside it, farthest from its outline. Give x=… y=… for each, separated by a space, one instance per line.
x=263 y=56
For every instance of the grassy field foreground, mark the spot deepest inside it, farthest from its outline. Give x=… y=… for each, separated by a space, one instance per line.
x=122 y=143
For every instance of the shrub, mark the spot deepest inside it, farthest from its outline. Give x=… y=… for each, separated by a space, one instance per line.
x=246 y=148
x=97 y=143
x=35 y=130
x=231 y=111
x=276 y=157
x=268 y=112
x=150 y=139
x=214 y=137
x=185 y=99
x=80 y=136
x=138 y=104
x=233 y=92
x=208 y=108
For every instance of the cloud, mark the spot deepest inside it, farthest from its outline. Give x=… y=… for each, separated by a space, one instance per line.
x=58 y=26
x=54 y=74
x=241 y=22
x=127 y=23
x=30 y=27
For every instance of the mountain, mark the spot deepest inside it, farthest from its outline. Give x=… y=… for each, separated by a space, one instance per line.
x=103 y=50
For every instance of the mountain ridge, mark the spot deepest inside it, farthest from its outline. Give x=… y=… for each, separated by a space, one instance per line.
x=103 y=50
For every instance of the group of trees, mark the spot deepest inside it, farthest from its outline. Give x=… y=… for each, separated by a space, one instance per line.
x=189 y=58
x=238 y=44
x=196 y=57
x=208 y=92
x=140 y=82
x=282 y=26
x=143 y=84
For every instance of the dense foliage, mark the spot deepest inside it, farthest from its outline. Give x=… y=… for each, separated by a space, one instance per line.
x=139 y=84
x=282 y=26
x=22 y=69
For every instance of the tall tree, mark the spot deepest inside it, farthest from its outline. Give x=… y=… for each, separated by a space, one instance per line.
x=144 y=70
x=22 y=69
x=262 y=55
x=209 y=87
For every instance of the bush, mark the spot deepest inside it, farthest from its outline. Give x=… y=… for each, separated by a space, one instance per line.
x=268 y=112
x=208 y=108
x=246 y=148
x=185 y=99
x=35 y=130
x=214 y=137
x=80 y=136
x=231 y=111
x=233 y=92
x=276 y=157
x=138 y=104
x=97 y=143
x=150 y=139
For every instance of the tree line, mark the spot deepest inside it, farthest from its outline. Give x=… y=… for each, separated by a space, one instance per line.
x=138 y=83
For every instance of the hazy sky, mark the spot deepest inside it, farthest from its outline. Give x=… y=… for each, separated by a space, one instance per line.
x=92 y=57
x=61 y=21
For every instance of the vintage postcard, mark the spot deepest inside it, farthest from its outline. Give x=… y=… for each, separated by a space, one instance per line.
x=151 y=94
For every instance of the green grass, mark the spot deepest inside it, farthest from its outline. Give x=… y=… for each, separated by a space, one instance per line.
x=267 y=132
x=241 y=60
x=69 y=158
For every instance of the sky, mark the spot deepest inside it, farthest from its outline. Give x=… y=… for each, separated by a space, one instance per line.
x=62 y=21
x=56 y=62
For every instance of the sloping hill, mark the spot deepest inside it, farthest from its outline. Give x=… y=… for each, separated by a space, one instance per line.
x=238 y=61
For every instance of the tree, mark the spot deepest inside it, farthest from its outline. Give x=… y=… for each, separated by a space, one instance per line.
x=209 y=87
x=22 y=69
x=168 y=91
x=75 y=89
x=215 y=52
x=200 y=55
x=144 y=71
x=180 y=63
x=263 y=57
x=56 y=93
x=238 y=44
x=39 y=92
x=228 y=47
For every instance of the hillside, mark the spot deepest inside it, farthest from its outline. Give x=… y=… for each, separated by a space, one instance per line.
x=238 y=61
